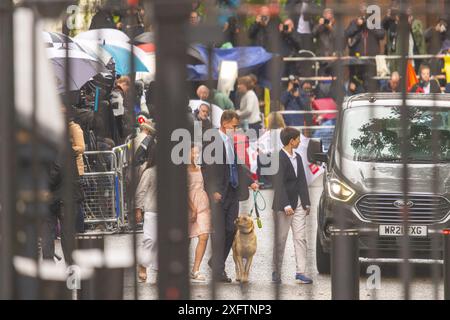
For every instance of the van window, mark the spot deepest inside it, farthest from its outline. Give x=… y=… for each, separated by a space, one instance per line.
x=374 y=133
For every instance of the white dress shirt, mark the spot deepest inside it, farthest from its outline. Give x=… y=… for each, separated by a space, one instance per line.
x=293 y=159
x=426 y=89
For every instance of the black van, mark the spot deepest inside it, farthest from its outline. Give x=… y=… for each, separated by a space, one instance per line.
x=364 y=185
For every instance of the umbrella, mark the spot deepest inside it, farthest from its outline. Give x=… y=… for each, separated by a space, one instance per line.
x=146 y=37
x=121 y=53
x=147 y=47
x=95 y=50
x=59 y=40
x=103 y=35
x=150 y=63
x=82 y=68
x=247 y=58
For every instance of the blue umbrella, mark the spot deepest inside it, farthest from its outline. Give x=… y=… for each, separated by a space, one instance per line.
x=249 y=60
x=122 y=59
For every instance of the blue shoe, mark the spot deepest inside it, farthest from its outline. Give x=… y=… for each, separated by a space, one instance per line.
x=276 y=277
x=301 y=278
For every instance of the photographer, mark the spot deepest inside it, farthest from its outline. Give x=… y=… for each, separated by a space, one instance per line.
x=294 y=100
x=104 y=19
x=434 y=38
x=264 y=30
x=363 y=41
x=118 y=104
x=302 y=13
x=416 y=40
x=290 y=45
x=324 y=32
x=389 y=23
x=231 y=31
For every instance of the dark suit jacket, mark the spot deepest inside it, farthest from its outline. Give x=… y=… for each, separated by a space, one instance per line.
x=217 y=177
x=287 y=186
x=434 y=87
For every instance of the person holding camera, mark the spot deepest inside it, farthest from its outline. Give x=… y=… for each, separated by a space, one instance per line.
x=231 y=30
x=294 y=100
x=362 y=40
x=324 y=32
x=434 y=39
x=290 y=45
x=416 y=42
x=302 y=13
x=264 y=30
x=119 y=106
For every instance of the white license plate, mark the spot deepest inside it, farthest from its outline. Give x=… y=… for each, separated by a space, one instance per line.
x=394 y=230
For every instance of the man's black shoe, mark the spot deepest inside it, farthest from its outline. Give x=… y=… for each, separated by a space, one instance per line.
x=223 y=278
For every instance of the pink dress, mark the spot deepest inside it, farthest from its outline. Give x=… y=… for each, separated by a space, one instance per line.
x=199 y=198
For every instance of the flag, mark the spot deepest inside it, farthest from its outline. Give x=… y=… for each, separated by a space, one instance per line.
x=266 y=106
x=411 y=77
x=447 y=67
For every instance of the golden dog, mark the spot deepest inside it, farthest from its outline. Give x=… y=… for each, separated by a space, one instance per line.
x=244 y=247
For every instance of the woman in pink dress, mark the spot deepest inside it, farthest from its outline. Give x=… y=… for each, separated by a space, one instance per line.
x=199 y=213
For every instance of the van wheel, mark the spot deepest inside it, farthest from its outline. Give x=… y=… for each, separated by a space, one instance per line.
x=323 y=260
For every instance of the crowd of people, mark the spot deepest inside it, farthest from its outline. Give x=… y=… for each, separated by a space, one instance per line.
x=119 y=118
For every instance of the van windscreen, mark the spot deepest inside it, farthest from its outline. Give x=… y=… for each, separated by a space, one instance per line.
x=374 y=133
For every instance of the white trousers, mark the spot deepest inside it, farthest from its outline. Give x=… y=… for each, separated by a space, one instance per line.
x=149 y=251
x=297 y=223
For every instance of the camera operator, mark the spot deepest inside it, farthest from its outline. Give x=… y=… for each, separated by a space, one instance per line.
x=363 y=41
x=303 y=13
x=118 y=104
x=325 y=34
x=290 y=44
x=434 y=38
x=293 y=100
x=104 y=19
x=416 y=40
x=231 y=30
x=389 y=23
x=264 y=30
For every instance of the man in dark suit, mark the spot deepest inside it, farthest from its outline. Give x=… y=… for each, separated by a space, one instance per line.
x=291 y=205
x=227 y=183
x=426 y=84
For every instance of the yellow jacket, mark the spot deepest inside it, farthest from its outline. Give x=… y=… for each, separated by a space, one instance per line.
x=77 y=140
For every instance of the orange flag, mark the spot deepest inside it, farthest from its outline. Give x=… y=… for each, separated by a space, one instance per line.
x=411 y=77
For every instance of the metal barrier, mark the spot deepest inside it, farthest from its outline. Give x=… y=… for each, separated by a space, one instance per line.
x=323 y=132
x=104 y=188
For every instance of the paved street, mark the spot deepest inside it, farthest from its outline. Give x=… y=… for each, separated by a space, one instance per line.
x=260 y=286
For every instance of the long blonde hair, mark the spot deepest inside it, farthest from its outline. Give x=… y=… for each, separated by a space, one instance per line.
x=275 y=121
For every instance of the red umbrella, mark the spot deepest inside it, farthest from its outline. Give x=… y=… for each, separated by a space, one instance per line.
x=147 y=47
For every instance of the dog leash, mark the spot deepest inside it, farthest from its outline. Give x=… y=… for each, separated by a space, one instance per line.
x=257 y=208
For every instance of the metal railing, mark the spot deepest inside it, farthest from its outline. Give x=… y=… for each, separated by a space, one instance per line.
x=27 y=152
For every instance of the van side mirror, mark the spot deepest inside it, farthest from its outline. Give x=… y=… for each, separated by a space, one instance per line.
x=320 y=157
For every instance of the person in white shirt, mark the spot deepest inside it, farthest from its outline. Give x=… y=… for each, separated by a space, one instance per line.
x=269 y=144
x=249 y=108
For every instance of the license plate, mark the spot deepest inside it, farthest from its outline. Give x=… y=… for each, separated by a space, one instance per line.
x=394 y=230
